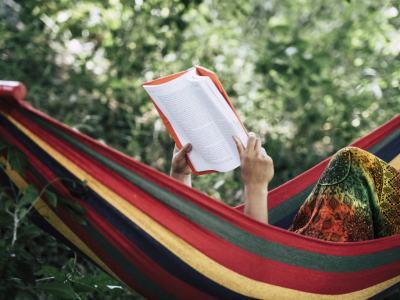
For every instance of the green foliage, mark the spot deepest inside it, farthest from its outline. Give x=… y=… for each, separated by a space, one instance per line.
x=30 y=196
x=51 y=197
x=17 y=160
x=309 y=77
x=394 y=296
x=59 y=289
x=52 y=272
x=73 y=283
x=17 y=265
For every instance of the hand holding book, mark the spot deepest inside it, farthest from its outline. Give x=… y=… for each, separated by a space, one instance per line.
x=196 y=110
x=180 y=169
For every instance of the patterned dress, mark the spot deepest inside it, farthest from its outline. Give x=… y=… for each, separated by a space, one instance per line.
x=357 y=198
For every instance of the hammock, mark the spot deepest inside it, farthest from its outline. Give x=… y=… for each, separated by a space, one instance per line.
x=168 y=241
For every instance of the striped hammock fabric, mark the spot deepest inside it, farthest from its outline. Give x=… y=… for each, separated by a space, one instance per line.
x=168 y=241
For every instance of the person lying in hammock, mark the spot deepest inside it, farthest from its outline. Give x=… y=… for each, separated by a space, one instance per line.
x=357 y=197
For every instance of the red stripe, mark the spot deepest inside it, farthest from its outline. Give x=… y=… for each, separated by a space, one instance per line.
x=139 y=259
x=216 y=248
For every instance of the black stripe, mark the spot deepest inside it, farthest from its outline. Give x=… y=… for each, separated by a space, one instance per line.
x=390 y=151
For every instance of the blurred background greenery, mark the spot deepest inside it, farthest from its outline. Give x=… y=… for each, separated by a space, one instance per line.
x=309 y=76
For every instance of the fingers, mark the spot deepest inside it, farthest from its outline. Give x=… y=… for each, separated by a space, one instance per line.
x=251 y=141
x=257 y=147
x=239 y=146
x=253 y=145
x=185 y=150
x=263 y=151
x=176 y=149
x=253 y=149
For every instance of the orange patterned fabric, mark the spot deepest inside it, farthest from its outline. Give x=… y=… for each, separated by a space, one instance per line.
x=357 y=198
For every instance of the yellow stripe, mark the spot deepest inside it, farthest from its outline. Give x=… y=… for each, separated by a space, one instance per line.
x=395 y=162
x=57 y=223
x=189 y=254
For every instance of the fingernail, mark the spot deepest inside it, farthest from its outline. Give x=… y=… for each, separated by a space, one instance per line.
x=187 y=146
x=252 y=134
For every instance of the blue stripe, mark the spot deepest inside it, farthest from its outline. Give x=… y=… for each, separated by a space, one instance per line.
x=287 y=221
x=386 y=140
x=390 y=151
x=283 y=214
x=386 y=292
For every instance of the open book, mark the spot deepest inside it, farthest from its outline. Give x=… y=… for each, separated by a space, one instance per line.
x=196 y=110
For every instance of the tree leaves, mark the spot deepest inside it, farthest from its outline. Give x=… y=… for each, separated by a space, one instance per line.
x=31 y=194
x=5 y=218
x=101 y=283
x=17 y=160
x=74 y=209
x=83 y=285
x=53 y=272
x=71 y=264
x=51 y=197
x=3 y=148
x=58 y=289
x=24 y=295
x=75 y=216
x=8 y=203
x=65 y=202
x=22 y=270
x=77 y=190
x=16 y=266
x=30 y=231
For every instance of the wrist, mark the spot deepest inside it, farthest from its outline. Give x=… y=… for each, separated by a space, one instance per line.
x=256 y=187
x=184 y=178
x=256 y=201
x=179 y=175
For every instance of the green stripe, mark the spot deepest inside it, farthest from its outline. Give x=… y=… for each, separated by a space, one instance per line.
x=128 y=266
x=228 y=231
x=289 y=206
x=121 y=260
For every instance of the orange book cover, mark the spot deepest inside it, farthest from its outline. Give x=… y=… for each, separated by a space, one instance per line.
x=202 y=72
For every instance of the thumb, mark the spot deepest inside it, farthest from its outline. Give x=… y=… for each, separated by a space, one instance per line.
x=239 y=146
x=185 y=150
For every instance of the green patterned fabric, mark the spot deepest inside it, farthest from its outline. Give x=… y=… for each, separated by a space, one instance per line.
x=356 y=199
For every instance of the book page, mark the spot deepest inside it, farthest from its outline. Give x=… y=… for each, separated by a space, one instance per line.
x=193 y=116
x=226 y=119
x=222 y=113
